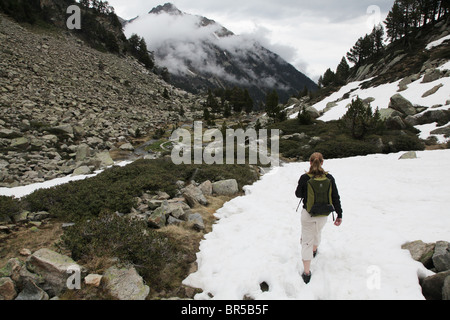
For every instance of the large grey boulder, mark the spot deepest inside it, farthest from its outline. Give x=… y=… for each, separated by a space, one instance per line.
x=399 y=103
x=225 y=187
x=441 y=256
x=432 y=287
x=124 y=283
x=53 y=268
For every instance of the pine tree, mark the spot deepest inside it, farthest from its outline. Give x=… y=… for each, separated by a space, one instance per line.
x=393 y=22
x=272 y=101
x=248 y=102
x=342 y=72
x=329 y=78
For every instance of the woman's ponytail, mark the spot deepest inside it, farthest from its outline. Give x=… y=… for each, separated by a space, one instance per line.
x=316 y=161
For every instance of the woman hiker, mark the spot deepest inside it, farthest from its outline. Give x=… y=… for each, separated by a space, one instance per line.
x=312 y=225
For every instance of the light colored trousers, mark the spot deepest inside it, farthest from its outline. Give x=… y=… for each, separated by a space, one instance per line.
x=311 y=233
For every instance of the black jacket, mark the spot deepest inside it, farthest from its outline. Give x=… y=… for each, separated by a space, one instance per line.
x=302 y=190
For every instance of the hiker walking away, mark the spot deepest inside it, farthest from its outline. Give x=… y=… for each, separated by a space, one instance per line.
x=317 y=188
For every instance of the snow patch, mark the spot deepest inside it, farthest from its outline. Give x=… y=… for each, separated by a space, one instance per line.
x=437 y=43
x=387 y=202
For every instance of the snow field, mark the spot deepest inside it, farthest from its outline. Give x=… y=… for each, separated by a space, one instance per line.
x=386 y=203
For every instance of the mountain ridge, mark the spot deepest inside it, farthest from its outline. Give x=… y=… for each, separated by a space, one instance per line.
x=205 y=55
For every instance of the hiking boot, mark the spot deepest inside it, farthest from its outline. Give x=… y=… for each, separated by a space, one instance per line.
x=306 y=277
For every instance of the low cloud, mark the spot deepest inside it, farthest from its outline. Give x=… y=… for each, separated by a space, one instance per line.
x=184 y=47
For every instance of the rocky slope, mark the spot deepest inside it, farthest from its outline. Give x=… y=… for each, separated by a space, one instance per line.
x=409 y=84
x=64 y=105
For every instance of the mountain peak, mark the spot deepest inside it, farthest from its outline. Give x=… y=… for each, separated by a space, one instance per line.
x=168 y=7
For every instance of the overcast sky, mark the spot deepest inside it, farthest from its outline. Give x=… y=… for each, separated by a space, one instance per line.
x=311 y=35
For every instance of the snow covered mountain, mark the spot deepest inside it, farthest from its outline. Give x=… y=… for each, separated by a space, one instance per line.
x=200 y=53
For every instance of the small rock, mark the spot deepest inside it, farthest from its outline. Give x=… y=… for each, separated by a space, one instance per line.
x=25 y=252
x=93 y=280
x=409 y=155
x=197 y=221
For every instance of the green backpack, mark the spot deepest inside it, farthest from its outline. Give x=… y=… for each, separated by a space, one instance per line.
x=319 y=202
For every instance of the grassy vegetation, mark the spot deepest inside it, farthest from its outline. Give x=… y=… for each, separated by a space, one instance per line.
x=116 y=188
x=154 y=254
x=333 y=140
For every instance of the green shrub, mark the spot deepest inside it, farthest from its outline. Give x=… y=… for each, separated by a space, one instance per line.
x=343 y=148
x=8 y=207
x=158 y=258
x=404 y=142
x=116 y=188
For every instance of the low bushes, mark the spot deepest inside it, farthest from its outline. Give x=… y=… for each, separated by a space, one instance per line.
x=161 y=261
x=116 y=188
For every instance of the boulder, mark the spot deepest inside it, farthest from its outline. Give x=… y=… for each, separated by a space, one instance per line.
x=80 y=171
x=432 y=90
x=65 y=129
x=21 y=142
x=432 y=287
x=399 y=103
x=445 y=131
x=441 y=256
x=158 y=218
x=124 y=283
x=226 y=187
x=194 y=195
x=420 y=251
x=177 y=209
x=103 y=159
x=127 y=147
x=432 y=75
x=409 y=155
x=395 y=123
x=83 y=152
x=388 y=113
x=313 y=112
x=7 y=289
x=52 y=267
x=446 y=289
x=197 y=220
x=32 y=292
x=206 y=188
